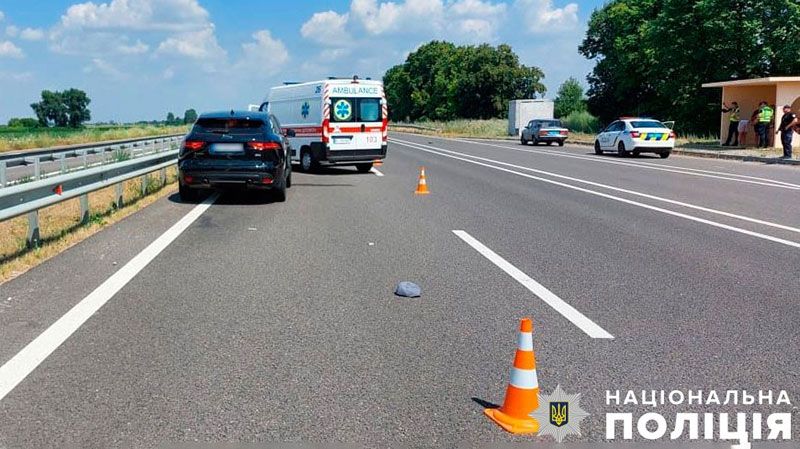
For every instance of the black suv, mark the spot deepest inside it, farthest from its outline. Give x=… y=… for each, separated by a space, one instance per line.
x=235 y=149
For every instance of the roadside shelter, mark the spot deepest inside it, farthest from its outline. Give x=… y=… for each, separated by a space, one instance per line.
x=776 y=91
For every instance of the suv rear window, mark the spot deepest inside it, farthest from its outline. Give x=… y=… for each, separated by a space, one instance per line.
x=228 y=125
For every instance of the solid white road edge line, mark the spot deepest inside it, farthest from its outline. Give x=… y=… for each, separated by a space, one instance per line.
x=648 y=166
x=376 y=172
x=612 y=197
x=619 y=189
x=567 y=311
x=21 y=365
x=641 y=164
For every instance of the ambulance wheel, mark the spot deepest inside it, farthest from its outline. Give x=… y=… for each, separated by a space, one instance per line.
x=597 y=149
x=307 y=162
x=364 y=168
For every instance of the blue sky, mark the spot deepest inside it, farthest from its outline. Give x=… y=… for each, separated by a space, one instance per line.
x=139 y=59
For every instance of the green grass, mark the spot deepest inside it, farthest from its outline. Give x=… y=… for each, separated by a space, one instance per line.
x=464 y=127
x=12 y=139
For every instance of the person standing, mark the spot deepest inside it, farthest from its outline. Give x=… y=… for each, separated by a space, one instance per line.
x=733 y=123
x=765 y=114
x=786 y=130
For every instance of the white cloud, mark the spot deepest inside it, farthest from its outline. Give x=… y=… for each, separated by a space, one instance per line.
x=541 y=16
x=18 y=77
x=265 y=55
x=8 y=49
x=103 y=67
x=146 y=15
x=327 y=28
x=380 y=18
x=200 y=44
x=32 y=34
x=2 y=16
x=12 y=31
x=136 y=48
x=477 y=8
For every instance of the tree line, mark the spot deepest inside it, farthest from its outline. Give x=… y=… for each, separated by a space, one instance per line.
x=443 y=81
x=653 y=55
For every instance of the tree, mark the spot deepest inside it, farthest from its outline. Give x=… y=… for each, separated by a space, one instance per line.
x=170 y=118
x=442 y=81
x=76 y=103
x=653 y=55
x=570 y=98
x=68 y=108
x=189 y=117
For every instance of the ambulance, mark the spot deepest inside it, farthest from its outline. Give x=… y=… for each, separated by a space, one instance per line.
x=335 y=121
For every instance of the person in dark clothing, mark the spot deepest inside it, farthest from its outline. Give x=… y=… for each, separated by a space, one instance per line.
x=733 y=123
x=786 y=130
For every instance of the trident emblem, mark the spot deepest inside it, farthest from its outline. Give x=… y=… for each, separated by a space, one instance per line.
x=559 y=413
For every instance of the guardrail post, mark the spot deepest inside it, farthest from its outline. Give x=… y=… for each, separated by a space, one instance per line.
x=33 y=238
x=144 y=185
x=37 y=168
x=163 y=174
x=63 y=163
x=84 y=208
x=85 y=158
x=119 y=201
x=3 y=180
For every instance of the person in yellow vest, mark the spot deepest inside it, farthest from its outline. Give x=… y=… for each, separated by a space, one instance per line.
x=765 y=115
x=733 y=123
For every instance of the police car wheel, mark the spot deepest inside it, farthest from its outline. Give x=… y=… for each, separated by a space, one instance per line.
x=636 y=153
x=664 y=154
x=621 y=150
x=523 y=140
x=597 y=149
x=561 y=143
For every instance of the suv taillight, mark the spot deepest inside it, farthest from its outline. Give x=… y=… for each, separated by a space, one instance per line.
x=264 y=146
x=194 y=145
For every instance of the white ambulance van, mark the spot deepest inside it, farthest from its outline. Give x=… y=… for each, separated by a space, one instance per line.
x=335 y=121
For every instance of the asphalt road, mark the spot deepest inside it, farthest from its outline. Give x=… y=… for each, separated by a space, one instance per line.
x=265 y=322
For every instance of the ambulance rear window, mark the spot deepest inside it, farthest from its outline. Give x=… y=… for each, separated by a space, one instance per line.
x=369 y=110
x=356 y=110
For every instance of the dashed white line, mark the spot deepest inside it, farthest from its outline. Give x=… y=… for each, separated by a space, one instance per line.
x=443 y=152
x=376 y=172
x=567 y=311
x=25 y=361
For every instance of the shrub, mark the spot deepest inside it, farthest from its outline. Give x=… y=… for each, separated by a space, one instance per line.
x=581 y=122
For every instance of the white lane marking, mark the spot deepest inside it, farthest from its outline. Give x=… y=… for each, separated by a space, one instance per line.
x=21 y=365
x=648 y=166
x=627 y=191
x=614 y=198
x=567 y=311
x=376 y=172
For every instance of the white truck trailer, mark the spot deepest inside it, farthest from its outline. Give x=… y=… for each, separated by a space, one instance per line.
x=520 y=112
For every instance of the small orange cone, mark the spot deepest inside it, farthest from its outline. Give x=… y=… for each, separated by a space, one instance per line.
x=58 y=190
x=377 y=163
x=422 y=185
x=522 y=395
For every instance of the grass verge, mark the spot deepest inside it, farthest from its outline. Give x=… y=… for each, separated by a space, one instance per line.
x=60 y=227
x=14 y=139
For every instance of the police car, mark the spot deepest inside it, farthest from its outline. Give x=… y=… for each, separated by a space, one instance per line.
x=632 y=135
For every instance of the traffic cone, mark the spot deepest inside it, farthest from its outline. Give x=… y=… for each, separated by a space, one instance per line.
x=522 y=395
x=422 y=185
x=377 y=163
x=58 y=190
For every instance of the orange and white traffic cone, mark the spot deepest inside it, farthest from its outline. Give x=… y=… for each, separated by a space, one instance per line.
x=422 y=185
x=522 y=395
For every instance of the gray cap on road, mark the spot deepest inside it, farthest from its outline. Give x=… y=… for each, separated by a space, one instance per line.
x=408 y=289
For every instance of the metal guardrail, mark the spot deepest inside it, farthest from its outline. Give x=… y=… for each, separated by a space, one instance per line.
x=30 y=197
x=412 y=126
x=61 y=154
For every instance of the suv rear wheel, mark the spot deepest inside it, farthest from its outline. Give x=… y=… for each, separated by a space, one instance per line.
x=187 y=194
x=364 y=168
